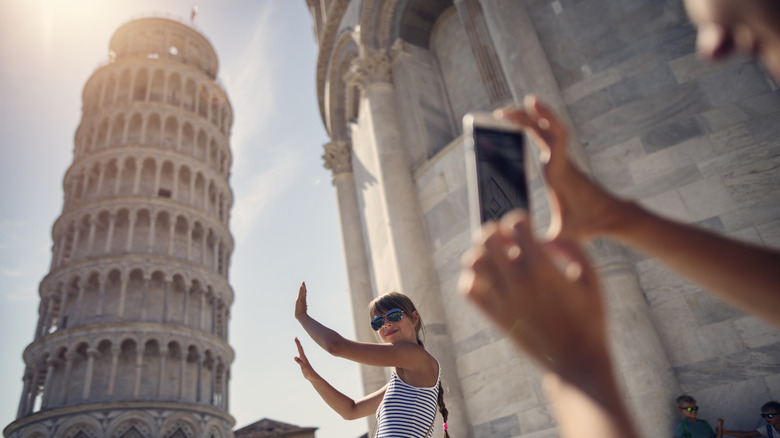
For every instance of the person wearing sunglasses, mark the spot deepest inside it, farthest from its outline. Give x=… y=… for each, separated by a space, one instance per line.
x=769 y=412
x=691 y=426
x=416 y=376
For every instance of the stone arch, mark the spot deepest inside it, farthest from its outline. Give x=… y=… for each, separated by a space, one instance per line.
x=110 y=175
x=140 y=85
x=126 y=366
x=141 y=231
x=153 y=130
x=117 y=130
x=171 y=133
x=162 y=228
x=214 y=429
x=190 y=96
x=148 y=177
x=157 y=90
x=127 y=176
x=110 y=89
x=187 y=139
x=180 y=426
x=80 y=426
x=340 y=95
x=123 y=425
x=36 y=431
x=123 y=89
x=174 y=89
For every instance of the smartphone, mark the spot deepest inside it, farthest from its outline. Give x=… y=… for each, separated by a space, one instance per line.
x=495 y=167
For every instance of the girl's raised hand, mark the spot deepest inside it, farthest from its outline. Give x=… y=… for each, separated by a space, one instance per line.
x=300 y=304
x=303 y=361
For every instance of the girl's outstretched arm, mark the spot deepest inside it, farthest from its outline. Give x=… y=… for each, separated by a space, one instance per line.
x=348 y=408
x=404 y=355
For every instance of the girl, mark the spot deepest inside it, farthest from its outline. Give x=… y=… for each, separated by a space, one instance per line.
x=406 y=405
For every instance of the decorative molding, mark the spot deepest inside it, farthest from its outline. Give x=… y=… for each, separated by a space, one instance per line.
x=338 y=157
x=334 y=16
x=372 y=67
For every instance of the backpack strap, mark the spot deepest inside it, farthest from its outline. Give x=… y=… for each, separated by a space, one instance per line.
x=768 y=430
x=710 y=427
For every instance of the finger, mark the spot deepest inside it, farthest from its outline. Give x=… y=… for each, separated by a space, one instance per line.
x=578 y=268
x=300 y=348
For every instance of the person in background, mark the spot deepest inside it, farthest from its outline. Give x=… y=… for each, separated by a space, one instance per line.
x=691 y=426
x=771 y=428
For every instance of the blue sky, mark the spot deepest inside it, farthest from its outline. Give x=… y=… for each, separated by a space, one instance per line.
x=284 y=220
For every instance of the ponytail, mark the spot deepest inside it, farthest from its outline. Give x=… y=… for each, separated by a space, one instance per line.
x=443 y=409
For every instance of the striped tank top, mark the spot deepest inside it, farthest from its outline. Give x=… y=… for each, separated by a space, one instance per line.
x=407 y=411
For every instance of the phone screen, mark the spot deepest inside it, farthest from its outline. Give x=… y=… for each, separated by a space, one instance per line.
x=501 y=179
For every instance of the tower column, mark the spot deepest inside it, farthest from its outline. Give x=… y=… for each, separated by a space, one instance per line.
x=122 y=295
x=64 y=292
x=139 y=366
x=120 y=169
x=130 y=230
x=51 y=363
x=69 y=357
x=115 y=352
x=92 y=353
x=338 y=159
x=161 y=378
x=78 y=317
x=26 y=387
x=91 y=237
x=101 y=294
x=110 y=235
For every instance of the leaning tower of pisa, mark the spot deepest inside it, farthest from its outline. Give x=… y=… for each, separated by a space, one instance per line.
x=132 y=336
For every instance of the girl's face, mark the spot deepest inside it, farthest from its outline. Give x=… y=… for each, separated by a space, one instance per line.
x=399 y=331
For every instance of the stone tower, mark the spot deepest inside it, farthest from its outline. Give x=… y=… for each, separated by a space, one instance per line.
x=132 y=336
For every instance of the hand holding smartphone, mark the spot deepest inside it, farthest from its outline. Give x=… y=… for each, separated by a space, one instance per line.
x=495 y=167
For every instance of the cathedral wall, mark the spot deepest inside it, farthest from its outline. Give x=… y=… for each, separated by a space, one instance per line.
x=690 y=140
x=693 y=141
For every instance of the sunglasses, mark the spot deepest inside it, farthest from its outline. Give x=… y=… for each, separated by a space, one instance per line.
x=768 y=415
x=393 y=315
x=692 y=408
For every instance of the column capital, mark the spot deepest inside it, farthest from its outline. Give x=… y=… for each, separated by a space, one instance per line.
x=371 y=67
x=338 y=157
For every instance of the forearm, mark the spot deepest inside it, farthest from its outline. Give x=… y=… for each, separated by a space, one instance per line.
x=342 y=404
x=587 y=401
x=741 y=433
x=745 y=275
x=326 y=338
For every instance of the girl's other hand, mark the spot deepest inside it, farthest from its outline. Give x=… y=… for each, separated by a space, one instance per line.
x=300 y=304
x=303 y=361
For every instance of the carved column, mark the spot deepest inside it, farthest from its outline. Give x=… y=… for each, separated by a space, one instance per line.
x=26 y=388
x=64 y=292
x=79 y=304
x=69 y=357
x=115 y=352
x=161 y=379
x=101 y=294
x=91 y=354
x=110 y=236
x=338 y=159
x=47 y=389
x=122 y=295
x=91 y=237
x=380 y=149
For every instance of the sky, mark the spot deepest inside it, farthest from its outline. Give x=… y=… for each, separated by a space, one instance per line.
x=284 y=218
